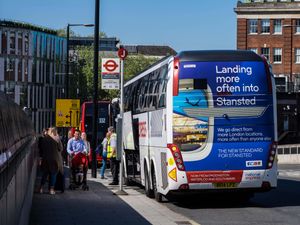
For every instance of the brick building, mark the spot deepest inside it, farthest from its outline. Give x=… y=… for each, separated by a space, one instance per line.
x=272 y=28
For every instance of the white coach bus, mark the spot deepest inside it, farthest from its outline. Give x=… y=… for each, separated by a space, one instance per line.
x=199 y=121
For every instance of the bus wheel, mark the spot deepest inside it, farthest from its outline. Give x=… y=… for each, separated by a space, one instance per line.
x=149 y=192
x=157 y=195
x=127 y=181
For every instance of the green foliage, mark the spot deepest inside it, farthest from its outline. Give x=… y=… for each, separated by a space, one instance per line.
x=135 y=64
x=83 y=73
x=63 y=33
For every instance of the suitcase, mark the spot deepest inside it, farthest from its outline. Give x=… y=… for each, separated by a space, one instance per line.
x=60 y=182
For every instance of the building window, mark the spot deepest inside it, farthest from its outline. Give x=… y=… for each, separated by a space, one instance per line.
x=12 y=43
x=10 y=89
x=9 y=69
x=4 y=42
x=254 y=50
x=20 y=44
x=277 y=55
x=277 y=26
x=253 y=26
x=297 y=55
x=298 y=26
x=265 y=26
x=26 y=71
x=20 y=70
x=26 y=44
x=266 y=53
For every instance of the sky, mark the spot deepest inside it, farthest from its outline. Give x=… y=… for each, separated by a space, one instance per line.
x=180 y=24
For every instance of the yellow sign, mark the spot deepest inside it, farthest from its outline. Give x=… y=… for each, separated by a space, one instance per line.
x=173 y=174
x=67 y=113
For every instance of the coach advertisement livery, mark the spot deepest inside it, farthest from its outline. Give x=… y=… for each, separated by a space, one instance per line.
x=229 y=125
x=202 y=121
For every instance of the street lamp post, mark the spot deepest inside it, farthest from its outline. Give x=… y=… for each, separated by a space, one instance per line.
x=67 y=64
x=95 y=100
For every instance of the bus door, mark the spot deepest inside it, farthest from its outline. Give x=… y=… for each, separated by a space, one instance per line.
x=131 y=147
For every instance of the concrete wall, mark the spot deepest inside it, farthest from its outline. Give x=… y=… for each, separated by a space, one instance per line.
x=19 y=175
x=289 y=154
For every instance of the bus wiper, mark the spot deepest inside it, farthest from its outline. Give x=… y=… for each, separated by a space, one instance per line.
x=192 y=104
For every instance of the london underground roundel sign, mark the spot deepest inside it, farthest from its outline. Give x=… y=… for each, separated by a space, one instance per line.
x=110 y=65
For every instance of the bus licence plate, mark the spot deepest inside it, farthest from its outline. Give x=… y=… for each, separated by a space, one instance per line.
x=225 y=185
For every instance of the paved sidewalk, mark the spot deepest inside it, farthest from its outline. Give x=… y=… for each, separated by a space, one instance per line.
x=154 y=212
x=99 y=205
x=289 y=170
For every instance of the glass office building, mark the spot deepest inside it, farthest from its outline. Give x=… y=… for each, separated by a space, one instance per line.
x=32 y=69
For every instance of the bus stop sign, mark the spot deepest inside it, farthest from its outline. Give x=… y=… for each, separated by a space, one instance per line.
x=122 y=53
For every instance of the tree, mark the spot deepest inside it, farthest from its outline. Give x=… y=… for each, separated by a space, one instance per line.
x=135 y=64
x=63 y=33
x=83 y=73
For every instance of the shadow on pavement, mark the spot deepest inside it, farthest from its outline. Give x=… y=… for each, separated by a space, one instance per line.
x=287 y=193
x=96 y=206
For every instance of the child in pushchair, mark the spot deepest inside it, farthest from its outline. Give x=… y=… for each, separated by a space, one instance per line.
x=79 y=168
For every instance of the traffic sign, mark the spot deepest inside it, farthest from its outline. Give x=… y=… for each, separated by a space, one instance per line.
x=110 y=66
x=110 y=73
x=122 y=53
x=67 y=113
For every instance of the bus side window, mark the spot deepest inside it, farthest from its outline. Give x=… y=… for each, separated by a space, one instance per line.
x=126 y=99
x=135 y=97
x=162 y=87
x=130 y=97
x=150 y=94
x=162 y=93
x=139 y=96
x=144 y=93
x=155 y=94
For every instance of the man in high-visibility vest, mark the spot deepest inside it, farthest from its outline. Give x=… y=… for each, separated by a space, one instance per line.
x=112 y=153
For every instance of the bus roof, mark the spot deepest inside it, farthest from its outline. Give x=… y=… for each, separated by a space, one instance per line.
x=218 y=56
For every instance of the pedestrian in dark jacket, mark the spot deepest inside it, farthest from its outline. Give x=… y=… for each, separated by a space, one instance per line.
x=50 y=152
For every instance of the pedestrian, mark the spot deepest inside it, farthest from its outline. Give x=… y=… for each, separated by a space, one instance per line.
x=86 y=142
x=44 y=133
x=51 y=163
x=112 y=151
x=104 y=155
x=75 y=146
x=65 y=152
x=60 y=177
